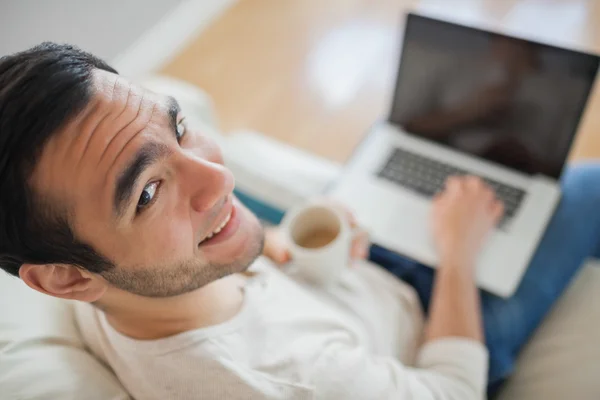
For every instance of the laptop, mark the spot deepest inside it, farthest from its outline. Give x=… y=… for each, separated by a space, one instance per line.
x=470 y=101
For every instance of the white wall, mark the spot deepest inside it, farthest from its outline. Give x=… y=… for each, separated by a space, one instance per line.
x=103 y=27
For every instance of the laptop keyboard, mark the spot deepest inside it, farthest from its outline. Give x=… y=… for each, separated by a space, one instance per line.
x=427 y=177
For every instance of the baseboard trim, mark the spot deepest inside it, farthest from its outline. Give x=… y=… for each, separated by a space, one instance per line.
x=168 y=37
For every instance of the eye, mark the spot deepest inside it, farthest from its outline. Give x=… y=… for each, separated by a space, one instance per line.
x=180 y=130
x=147 y=196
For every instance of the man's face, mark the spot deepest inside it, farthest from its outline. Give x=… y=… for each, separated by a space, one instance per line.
x=148 y=192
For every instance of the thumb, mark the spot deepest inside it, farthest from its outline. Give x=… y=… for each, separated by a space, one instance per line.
x=275 y=247
x=280 y=255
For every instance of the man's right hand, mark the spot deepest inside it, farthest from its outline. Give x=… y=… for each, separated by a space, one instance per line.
x=463 y=215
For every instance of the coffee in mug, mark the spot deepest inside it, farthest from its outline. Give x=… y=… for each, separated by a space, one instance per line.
x=317 y=238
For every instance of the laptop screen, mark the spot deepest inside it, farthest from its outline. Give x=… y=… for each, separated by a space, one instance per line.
x=510 y=101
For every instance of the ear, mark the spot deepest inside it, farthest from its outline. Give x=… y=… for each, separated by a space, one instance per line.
x=63 y=281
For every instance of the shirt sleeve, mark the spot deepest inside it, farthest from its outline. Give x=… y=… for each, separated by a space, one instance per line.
x=446 y=369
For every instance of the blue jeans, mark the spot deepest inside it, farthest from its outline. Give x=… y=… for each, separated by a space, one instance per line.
x=572 y=236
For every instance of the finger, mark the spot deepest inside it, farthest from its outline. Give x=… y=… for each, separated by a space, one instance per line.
x=453 y=184
x=278 y=254
x=489 y=189
x=351 y=218
x=473 y=180
x=488 y=194
x=281 y=256
x=275 y=246
x=480 y=188
x=360 y=245
x=452 y=180
x=359 y=252
x=498 y=211
x=489 y=201
x=474 y=183
x=436 y=205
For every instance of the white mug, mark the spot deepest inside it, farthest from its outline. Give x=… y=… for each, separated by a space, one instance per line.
x=319 y=238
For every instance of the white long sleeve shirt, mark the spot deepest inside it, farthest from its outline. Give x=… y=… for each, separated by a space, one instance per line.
x=360 y=339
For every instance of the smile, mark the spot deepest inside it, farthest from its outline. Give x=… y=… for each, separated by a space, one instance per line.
x=219 y=228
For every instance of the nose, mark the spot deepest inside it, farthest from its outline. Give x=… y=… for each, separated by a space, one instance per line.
x=204 y=182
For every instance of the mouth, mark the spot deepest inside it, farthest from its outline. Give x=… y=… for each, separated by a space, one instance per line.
x=219 y=228
x=226 y=227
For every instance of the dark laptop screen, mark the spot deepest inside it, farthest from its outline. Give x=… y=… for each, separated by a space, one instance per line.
x=511 y=101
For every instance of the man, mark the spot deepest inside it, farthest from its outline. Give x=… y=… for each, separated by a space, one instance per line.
x=108 y=197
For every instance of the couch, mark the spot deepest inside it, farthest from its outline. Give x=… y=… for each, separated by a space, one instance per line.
x=42 y=355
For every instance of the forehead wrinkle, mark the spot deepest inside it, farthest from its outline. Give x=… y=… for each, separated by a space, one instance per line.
x=91 y=124
x=66 y=143
x=127 y=124
x=137 y=132
x=104 y=132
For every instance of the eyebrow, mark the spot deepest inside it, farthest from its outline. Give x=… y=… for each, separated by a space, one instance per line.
x=173 y=110
x=150 y=153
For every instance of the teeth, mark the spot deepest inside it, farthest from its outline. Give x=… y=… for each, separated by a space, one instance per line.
x=219 y=229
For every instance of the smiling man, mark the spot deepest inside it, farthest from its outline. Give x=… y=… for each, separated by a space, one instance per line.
x=128 y=176
x=116 y=167
x=109 y=197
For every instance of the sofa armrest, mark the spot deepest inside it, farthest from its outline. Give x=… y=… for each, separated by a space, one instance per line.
x=275 y=172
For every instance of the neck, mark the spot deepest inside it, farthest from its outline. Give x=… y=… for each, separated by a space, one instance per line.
x=148 y=318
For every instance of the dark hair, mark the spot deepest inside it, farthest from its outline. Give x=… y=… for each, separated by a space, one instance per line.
x=41 y=89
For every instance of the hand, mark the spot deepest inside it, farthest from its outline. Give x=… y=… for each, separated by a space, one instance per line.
x=463 y=216
x=275 y=247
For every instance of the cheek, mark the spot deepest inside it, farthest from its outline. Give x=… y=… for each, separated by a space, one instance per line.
x=171 y=242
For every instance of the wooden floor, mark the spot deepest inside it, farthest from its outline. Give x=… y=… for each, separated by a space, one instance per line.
x=317 y=73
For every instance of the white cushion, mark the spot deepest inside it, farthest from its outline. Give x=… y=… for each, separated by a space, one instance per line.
x=275 y=172
x=41 y=352
x=562 y=361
